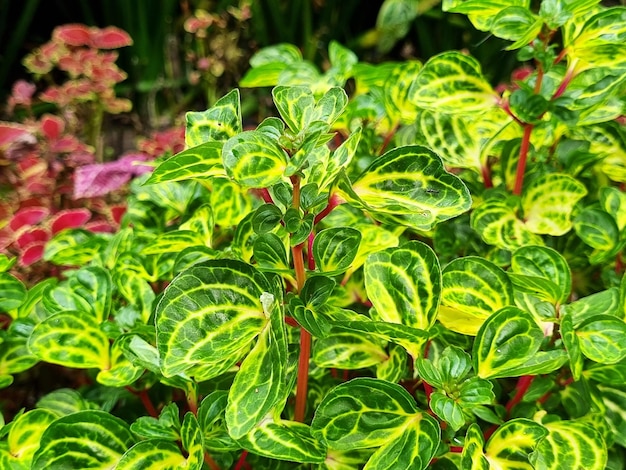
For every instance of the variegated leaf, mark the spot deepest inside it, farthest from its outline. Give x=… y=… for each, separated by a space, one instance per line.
x=511 y=444
x=404 y=284
x=208 y=313
x=409 y=186
x=86 y=440
x=453 y=82
x=219 y=123
x=201 y=162
x=548 y=202
x=473 y=289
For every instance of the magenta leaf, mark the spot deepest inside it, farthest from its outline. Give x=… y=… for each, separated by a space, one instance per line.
x=99 y=179
x=34 y=235
x=73 y=34
x=110 y=38
x=28 y=216
x=71 y=218
x=52 y=126
x=11 y=132
x=100 y=226
x=32 y=254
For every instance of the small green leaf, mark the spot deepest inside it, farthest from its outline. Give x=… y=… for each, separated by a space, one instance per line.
x=480 y=12
x=173 y=242
x=86 y=439
x=404 y=284
x=447 y=409
x=266 y=218
x=6 y=263
x=604 y=302
x=253 y=160
x=26 y=431
x=219 y=123
x=334 y=249
x=453 y=82
x=270 y=253
x=548 y=202
x=394 y=367
x=516 y=23
x=597 y=229
x=570 y=444
x=508 y=338
x=191 y=440
x=71 y=339
x=614 y=202
x=603 y=338
x=409 y=186
x=572 y=346
x=400 y=104
x=363 y=413
x=229 y=201
x=201 y=162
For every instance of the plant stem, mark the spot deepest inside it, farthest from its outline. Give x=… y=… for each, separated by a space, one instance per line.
x=210 y=462
x=522 y=386
x=523 y=156
x=333 y=202
x=486 y=172
x=566 y=80
x=303 y=375
x=311 y=260
x=145 y=400
x=242 y=460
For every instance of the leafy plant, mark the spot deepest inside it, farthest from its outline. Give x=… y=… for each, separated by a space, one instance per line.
x=425 y=274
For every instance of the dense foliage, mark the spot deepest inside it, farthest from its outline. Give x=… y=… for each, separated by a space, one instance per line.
x=424 y=273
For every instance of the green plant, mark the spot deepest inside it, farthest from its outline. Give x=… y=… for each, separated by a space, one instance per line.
x=427 y=273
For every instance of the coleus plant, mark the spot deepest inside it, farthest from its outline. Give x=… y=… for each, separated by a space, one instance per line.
x=426 y=274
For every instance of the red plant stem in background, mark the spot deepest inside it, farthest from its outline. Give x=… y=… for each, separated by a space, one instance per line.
x=486 y=172
x=428 y=389
x=210 y=462
x=145 y=400
x=523 y=156
x=456 y=449
x=522 y=386
x=265 y=195
x=242 y=461
x=311 y=260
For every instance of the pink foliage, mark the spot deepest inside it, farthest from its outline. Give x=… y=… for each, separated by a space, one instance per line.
x=100 y=179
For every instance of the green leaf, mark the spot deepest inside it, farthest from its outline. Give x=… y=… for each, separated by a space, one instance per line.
x=253 y=160
x=613 y=400
x=413 y=447
x=6 y=263
x=480 y=12
x=86 y=439
x=268 y=63
x=63 y=401
x=230 y=202
x=404 y=284
x=394 y=21
x=408 y=337
x=516 y=23
x=201 y=162
x=510 y=445
x=208 y=313
x=74 y=247
x=603 y=338
x=348 y=350
x=546 y=263
x=572 y=346
x=409 y=186
x=473 y=289
x=261 y=379
x=604 y=302
x=191 y=440
x=548 y=202
x=543 y=362
x=613 y=201
x=448 y=410
x=394 y=367
x=13 y=292
x=497 y=224
x=363 y=413
x=71 y=339
x=400 y=105
x=219 y=123
x=473 y=457
x=453 y=82
x=285 y=440
x=166 y=427
x=26 y=431
x=270 y=253
x=173 y=242
x=598 y=230
x=570 y=444
x=121 y=372
x=152 y=454
x=508 y=339
x=298 y=108
x=335 y=248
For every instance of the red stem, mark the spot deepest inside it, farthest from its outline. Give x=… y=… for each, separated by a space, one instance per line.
x=456 y=449
x=242 y=461
x=523 y=156
x=210 y=462
x=311 y=260
x=303 y=375
x=333 y=202
x=145 y=400
x=522 y=386
x=486 y=172
x=265 y=195
x=566 y=81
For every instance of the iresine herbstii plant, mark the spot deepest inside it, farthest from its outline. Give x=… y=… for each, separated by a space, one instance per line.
x=425 y=274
